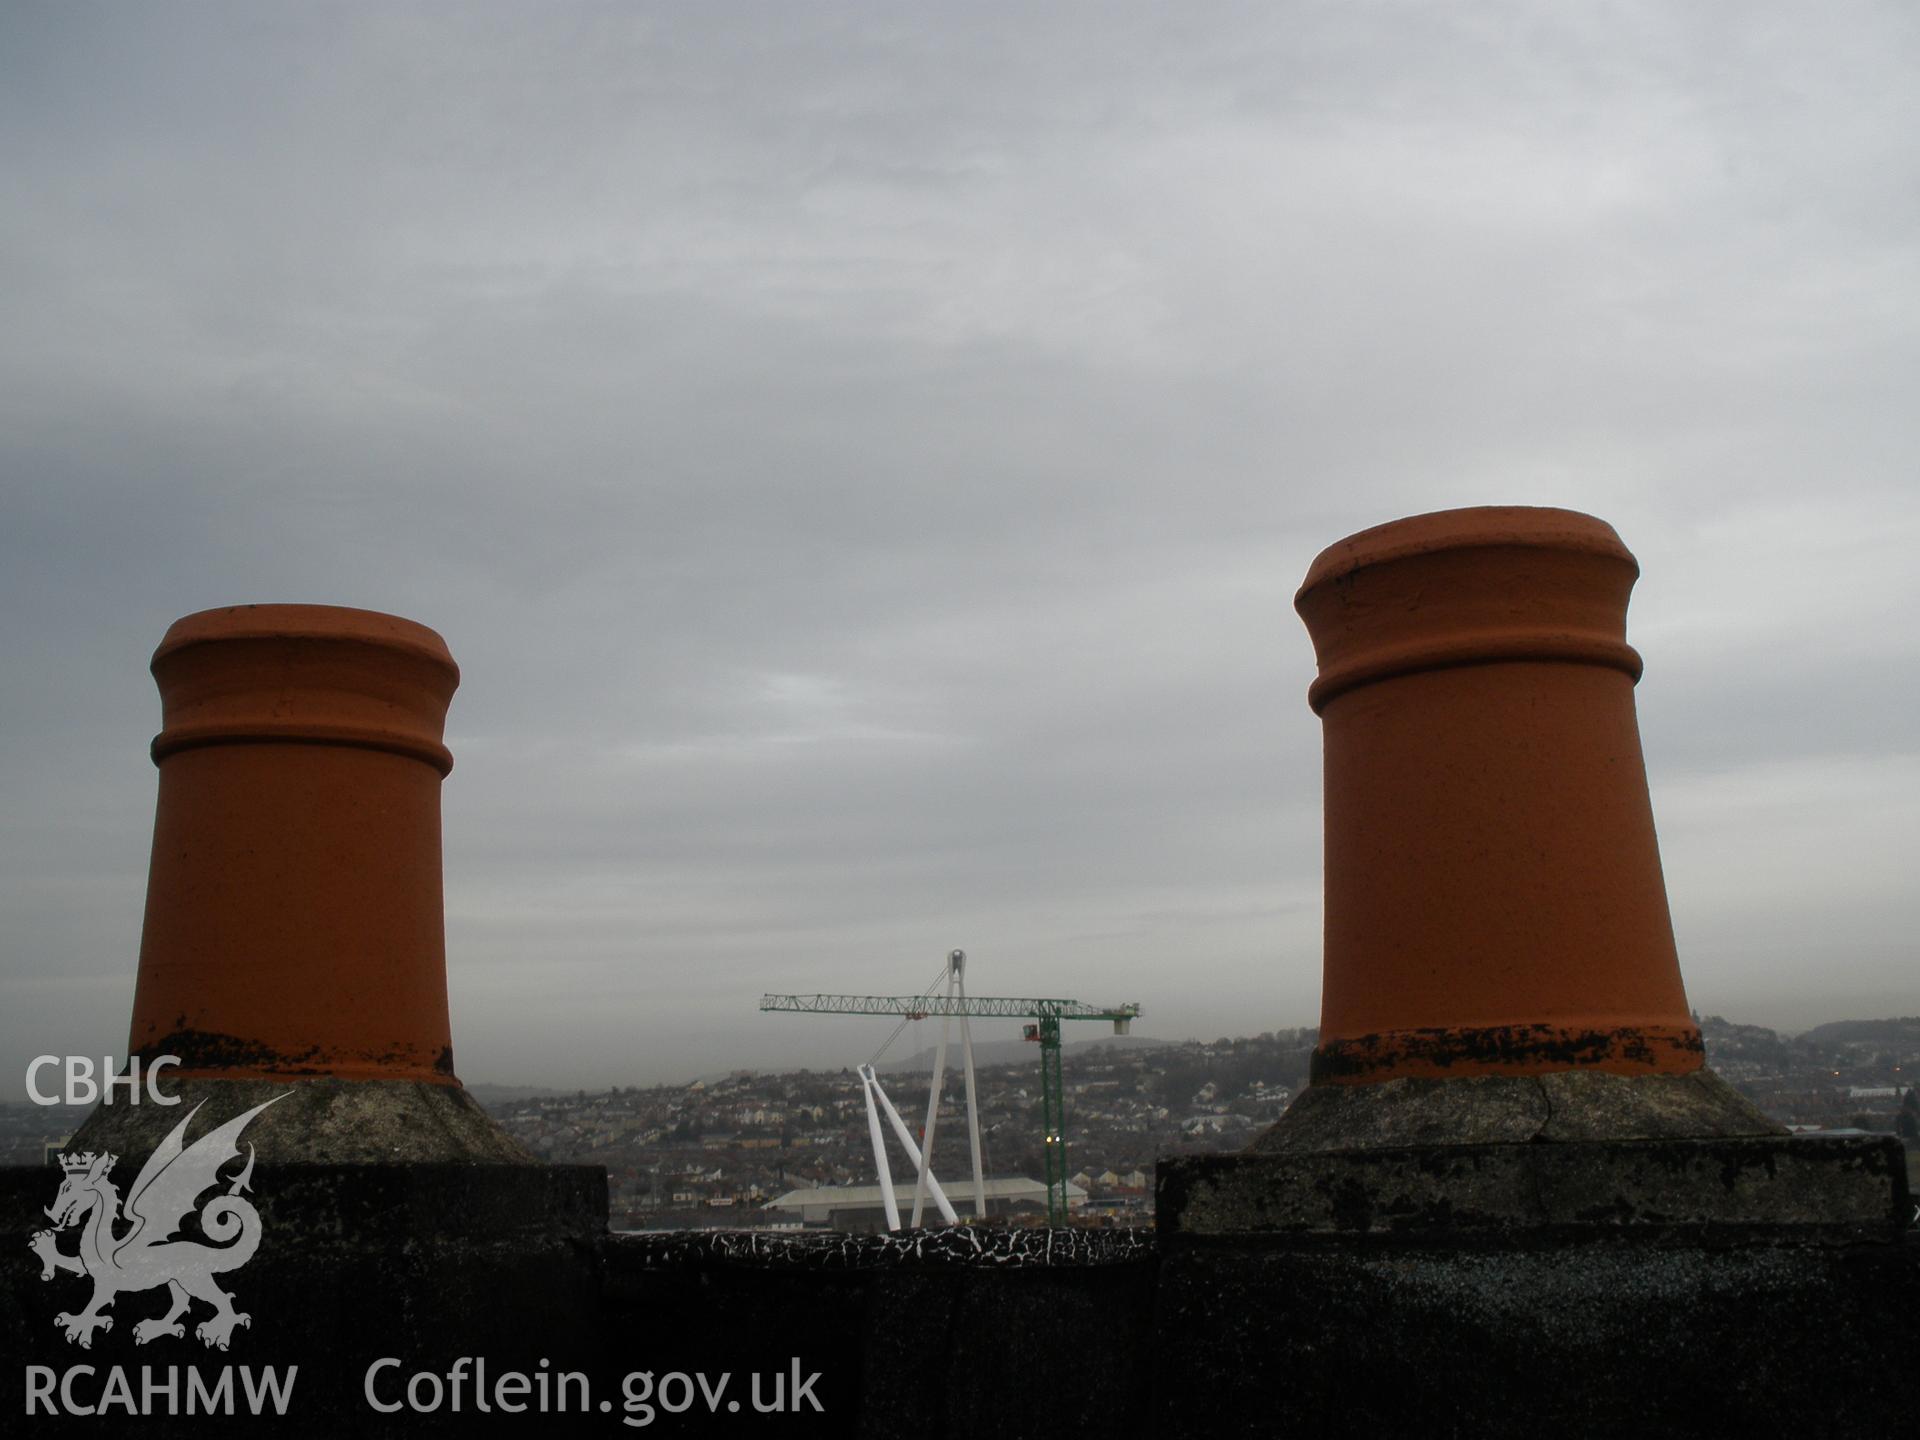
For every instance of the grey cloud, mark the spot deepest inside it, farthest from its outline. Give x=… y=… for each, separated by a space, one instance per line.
x=862 y=456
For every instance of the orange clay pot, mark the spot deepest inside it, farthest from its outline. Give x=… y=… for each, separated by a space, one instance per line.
x=1494 y=902
x=294 y=923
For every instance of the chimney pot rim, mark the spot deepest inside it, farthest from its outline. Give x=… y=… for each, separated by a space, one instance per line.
x=276 y=621
x=1468 y=528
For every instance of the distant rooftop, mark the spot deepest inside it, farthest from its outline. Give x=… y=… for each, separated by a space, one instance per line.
x=819 y=1202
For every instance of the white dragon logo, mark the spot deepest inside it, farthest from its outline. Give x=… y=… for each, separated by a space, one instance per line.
x=144 y=1253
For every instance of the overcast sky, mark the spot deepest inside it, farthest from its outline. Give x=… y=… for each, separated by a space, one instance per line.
x=862 y=457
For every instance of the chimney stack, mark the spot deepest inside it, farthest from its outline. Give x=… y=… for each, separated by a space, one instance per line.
x=1495 y=910
x=294 y=934
x=1505 y=1044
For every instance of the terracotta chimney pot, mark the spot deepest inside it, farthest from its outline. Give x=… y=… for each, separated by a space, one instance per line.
x=294 y=916
x=1494 y=901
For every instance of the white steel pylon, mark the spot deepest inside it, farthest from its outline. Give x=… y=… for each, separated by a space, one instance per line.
x=871 y=1083
x=879 y=1150
x=956 y=990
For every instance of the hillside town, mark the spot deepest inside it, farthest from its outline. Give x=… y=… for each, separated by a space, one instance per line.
x=722 y=1152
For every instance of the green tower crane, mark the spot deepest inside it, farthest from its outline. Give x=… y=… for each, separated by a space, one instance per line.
x=1045 y=1016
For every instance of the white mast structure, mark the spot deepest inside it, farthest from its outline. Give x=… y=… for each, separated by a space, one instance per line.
x=924 y=1182
x=956 y=992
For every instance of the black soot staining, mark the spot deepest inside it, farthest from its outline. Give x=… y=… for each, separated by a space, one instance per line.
x=211 y=1050
x=1529 y=1046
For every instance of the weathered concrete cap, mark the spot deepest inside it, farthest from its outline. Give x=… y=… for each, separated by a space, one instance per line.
x=316 y=1122
x=1564 y=1107
x=1838 y=1190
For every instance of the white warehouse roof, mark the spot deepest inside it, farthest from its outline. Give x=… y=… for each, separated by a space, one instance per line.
x=818 y=1203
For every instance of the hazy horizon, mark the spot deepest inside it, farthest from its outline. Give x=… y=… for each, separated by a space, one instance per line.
x=903 y=1050
x=775 y=1068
